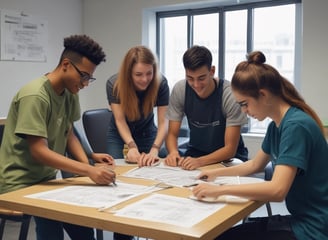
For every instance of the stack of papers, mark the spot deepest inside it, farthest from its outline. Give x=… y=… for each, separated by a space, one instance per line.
x=174 y=176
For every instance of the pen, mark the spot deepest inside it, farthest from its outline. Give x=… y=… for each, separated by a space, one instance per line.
x=113 y=180
x=114 y=183
x=203 y=177
x=191 y=185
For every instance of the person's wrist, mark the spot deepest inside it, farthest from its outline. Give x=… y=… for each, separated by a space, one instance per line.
x=155 y=146
x=132 y=144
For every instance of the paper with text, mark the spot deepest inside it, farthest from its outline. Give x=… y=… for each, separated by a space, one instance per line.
x=174 y=176
x=94 y=196
x=178 y=211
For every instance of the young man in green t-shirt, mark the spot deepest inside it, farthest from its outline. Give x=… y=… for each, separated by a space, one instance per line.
x=38 y=131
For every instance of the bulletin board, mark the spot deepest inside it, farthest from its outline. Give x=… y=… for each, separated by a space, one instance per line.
x=23 y=37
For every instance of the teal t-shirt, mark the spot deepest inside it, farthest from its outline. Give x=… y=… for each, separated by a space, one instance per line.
x=35 y=110
x=299 y=142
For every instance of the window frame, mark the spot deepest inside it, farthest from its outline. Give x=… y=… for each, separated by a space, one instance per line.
x=221 y=10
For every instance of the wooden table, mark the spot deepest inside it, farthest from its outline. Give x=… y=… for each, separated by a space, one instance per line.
x=207 y=229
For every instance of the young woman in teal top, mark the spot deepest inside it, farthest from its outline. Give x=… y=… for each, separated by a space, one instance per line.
x=295 y=144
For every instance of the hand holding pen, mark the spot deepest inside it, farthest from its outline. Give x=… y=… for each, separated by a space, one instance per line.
x=103 y=175
x=114 y=176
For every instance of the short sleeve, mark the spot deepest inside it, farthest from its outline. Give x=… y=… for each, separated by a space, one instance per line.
x=111 y=97
x=163 y=92
x=288 y=146
x=175 y=110
x=232 y=110
x=32 y=119
x=295 y=146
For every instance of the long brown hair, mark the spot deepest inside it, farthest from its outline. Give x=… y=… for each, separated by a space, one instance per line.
x=124 y=87
x=252 y=75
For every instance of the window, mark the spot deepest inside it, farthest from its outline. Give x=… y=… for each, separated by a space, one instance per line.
x=230 y=32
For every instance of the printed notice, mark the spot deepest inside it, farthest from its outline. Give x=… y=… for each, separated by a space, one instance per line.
x=23 y=37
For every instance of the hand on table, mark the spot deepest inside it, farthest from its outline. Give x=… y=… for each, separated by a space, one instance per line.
x=147 y=159
x=133 y=155
x=189 y=163
x=173 y=159
x=103 y=158
x=208 y=175
x=205 y=190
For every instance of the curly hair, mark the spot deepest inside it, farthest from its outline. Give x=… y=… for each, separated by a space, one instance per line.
x=77 y=46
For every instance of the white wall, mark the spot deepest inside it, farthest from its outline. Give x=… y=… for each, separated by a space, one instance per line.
x=64 y=18
x=314 y=79
x=117 y=26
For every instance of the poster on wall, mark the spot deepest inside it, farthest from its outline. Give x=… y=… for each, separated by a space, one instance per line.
x=23 y=37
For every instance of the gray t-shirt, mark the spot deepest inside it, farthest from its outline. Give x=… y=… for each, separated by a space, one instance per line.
x=230 y=108
x=207 y=118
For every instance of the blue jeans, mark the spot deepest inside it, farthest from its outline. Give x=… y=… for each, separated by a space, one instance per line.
x=47 y=229
x=115 y=143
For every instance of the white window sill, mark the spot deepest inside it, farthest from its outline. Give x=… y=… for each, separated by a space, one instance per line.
x=253 y=135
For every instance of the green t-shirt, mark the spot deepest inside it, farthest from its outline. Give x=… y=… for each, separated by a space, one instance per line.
x=35 y=110
x=299 y=142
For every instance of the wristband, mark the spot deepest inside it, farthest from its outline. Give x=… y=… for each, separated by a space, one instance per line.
x=132 y=144
x=155 y=146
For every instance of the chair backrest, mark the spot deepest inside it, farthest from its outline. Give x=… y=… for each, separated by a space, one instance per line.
x=2 y=128
x=95 y=124
x=85 y=146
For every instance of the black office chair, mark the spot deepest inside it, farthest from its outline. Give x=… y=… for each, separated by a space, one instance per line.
x=84 y=143
x=268 y=172
x=95 y=124
x=2 y=128
x=16 y=216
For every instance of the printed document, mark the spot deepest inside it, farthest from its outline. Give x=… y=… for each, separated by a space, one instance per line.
x=174 y=176
x=178 y=211
x=95 y=196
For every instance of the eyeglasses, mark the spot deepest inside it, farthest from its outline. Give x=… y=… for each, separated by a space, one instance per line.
x=243 y=104
x=85 y=77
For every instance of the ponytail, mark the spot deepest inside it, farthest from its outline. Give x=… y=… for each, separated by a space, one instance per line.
x=252 y=75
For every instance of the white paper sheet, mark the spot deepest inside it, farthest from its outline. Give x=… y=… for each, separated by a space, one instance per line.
x=178 y=211
x=235 y=180
x=174 y=176
x=229 y=180
x=95 y=196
